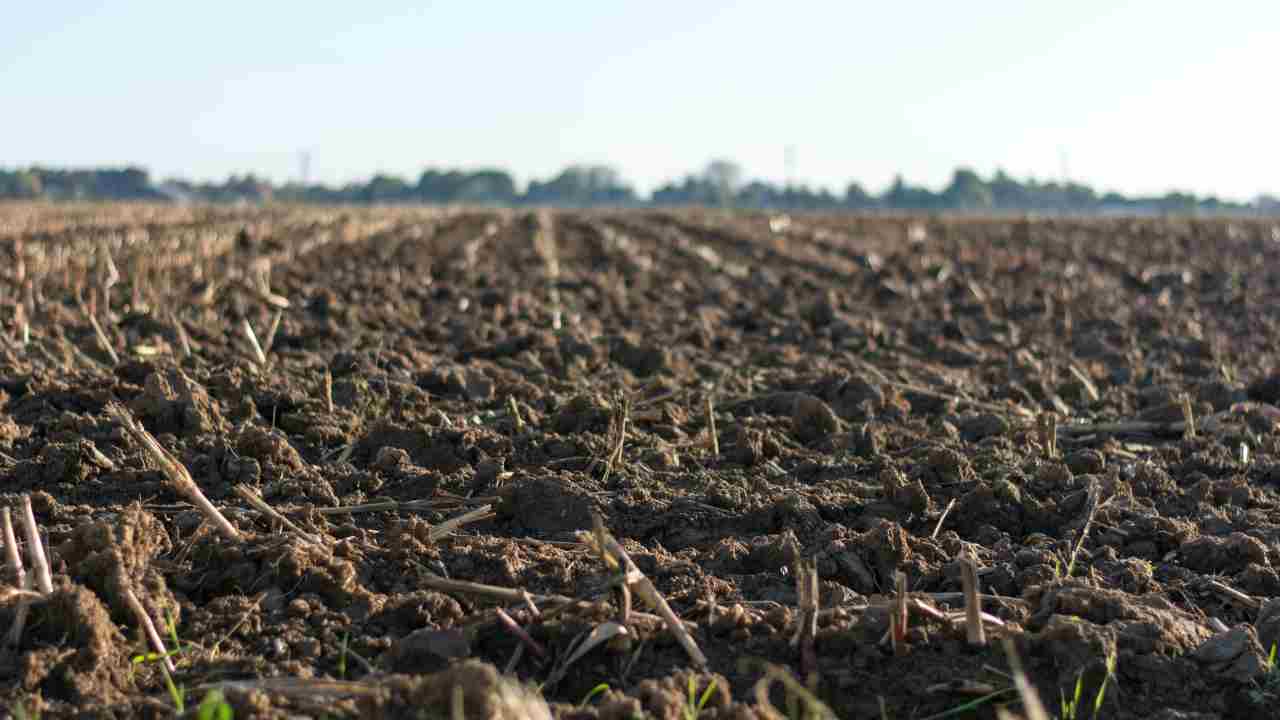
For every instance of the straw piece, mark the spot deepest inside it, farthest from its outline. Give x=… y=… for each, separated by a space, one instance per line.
x=711 y=427
x=898 y=615
x=252 y=497
x=942 y=518
x=972 y=603
x=1247 y=600
x=442 y=530
x=175 y=471
x=12 y=558
x=614 y=555
x=271 y=333
x=183 y=338
x=1030 y=698
x=14 y=638
x=514 y=628
x=327 y=387
x=1188 y=417
x=35 y=549
x=254 y=345
x=806 y=635
x=103 y=341
x=149 y=627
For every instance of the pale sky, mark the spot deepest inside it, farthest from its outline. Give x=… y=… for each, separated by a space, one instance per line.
x=1140 y=97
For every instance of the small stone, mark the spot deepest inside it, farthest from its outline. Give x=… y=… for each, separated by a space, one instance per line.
x=977 y=427
x=1266 y=389
x=1224 y=647
x=812 y=419
x=1086 y=462
x=427 y=650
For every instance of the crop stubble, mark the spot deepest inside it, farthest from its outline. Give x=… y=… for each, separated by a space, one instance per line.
x=806 y=439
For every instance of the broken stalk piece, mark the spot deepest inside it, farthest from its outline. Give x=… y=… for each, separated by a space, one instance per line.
x=1049 y=434
x=806 y=572
x=898 y=615
x=615 y=556
x=1188 y=417
x=35 y=549
x=174 y=470
x=974 y=631
x=254 y=345
x=149 y=628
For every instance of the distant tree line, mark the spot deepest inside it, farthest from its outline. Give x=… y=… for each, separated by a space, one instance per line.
x=128 y=183
x=720 y=184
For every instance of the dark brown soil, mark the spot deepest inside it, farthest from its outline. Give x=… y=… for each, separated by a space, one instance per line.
x=731 y=393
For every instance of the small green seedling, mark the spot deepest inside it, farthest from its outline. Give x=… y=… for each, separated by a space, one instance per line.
x=214 y=706
x=600 y=689
x=972 y=705
x=1070 y=708
x=695 y=704
x=1269 y=683
x=20 y=712
x=342 y=656
x=177 y=694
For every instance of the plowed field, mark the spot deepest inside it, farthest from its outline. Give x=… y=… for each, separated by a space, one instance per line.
x=616 y=464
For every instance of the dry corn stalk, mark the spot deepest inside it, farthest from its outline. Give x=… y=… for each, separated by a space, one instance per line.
x=1031 y=702
x=806 y=572
x=252 y=497
x=271 y=332
x=442 y=530
x=942 y=518
x=514 y=411
x=613 y=554
x=1188 y=417
x=149 y=627
x=254 y=345
x=39 y=578
x=711 y=427
x=1049 y=434
x=174 y=470
x=617 y=434
x=35 y=548
x=103 y=341
x=898 y=614
x=12 y=558
x=328 y=391
x=624 y=590
x=514 y=628
x=25 y=597
x=183 y=339
x=974 y=630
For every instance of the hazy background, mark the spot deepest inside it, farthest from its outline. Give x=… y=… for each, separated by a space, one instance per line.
x=1140 y=97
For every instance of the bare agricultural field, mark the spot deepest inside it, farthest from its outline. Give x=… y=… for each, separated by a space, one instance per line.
x=403 y=463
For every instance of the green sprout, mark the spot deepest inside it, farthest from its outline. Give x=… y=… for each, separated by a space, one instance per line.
x=694 y=706
x=595 y=691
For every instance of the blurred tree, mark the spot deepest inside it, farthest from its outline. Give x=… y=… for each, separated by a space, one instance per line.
x=967 y=192
x=581 y=186
x=901 y=196
x=857 y=198
x=386 y=189
x=724 y=177
x=719 y=184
